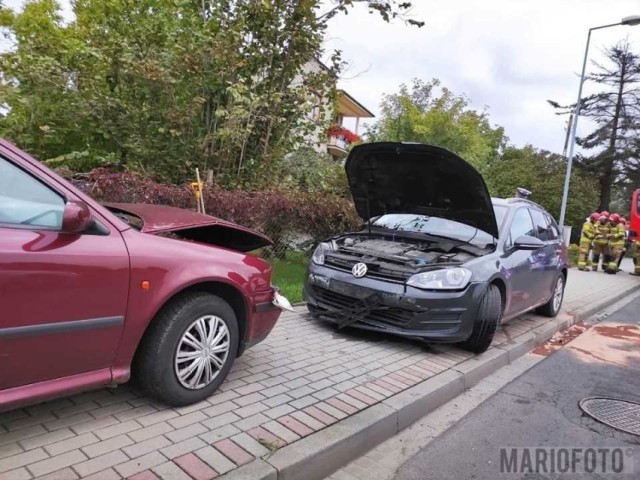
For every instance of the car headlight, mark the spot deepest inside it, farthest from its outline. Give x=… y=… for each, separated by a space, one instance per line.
x=318 y=254
x=446 y=279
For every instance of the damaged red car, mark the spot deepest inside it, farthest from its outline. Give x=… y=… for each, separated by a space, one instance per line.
x=91 y=293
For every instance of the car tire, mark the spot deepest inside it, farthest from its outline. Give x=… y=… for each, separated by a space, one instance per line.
x=553 y=306
x=157 y=367
x=484 y=328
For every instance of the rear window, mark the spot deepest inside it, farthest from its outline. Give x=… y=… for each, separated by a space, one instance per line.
x=554 y=231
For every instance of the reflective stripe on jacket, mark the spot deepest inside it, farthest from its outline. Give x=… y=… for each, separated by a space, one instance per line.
x=601 y=233
x=588 y=232
x=617 y=235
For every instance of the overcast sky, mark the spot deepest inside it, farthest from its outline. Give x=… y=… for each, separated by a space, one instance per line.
x=509 y=56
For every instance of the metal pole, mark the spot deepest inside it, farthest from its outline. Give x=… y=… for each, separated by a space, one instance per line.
x=567 y=136
x=567 y=178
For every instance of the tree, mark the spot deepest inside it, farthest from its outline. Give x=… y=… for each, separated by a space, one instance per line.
x=429 y=114
x=542 y=173
x=164 y=86
x=388 y=10
x=616 y=113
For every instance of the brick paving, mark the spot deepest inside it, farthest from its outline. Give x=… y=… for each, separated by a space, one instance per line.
x=304 y=377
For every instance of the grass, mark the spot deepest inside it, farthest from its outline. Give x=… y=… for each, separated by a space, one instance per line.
x=288 y=275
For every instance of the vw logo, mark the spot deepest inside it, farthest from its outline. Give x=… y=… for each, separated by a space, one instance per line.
x=359 y=270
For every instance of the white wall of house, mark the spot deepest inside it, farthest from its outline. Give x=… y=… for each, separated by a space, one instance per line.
x=321 y=114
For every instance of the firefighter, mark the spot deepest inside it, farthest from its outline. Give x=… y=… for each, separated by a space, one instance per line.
x=623 y=221
x=601 y=241
x=586 y=240
x=616 y=243
x=636 y=258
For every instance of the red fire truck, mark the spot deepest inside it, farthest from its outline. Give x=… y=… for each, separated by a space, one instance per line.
x=634 y=218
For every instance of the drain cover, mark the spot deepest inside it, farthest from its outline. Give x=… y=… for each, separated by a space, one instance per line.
x=619 y=414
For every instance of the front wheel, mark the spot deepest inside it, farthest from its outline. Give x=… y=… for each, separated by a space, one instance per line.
x=188 y=350
x=553 y=306
x=486 y=322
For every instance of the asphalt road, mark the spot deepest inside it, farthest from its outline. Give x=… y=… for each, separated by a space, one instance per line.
x=540 y=408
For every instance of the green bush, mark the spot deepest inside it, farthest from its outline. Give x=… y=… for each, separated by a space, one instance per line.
x=279 y=214
x=574 y=254
x=310 y=171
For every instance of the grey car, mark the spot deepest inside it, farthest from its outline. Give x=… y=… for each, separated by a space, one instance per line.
x=436 y=258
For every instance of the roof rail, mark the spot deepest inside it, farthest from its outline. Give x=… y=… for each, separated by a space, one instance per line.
x=524 y=200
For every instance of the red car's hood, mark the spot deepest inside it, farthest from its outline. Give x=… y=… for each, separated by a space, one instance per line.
x=191 y=225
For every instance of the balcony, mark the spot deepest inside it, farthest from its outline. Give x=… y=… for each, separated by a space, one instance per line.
x=340 y=138
x=349 y=107
x=337 y=146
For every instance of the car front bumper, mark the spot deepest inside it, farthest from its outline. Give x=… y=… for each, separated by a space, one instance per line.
x=263 y=317
x=389 y=307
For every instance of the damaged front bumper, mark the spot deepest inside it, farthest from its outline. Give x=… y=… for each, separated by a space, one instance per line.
x=389 y=307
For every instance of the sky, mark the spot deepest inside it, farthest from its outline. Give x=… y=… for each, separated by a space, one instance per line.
x=508 y=56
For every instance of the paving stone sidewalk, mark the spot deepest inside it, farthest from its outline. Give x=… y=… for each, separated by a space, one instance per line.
x=303 y=378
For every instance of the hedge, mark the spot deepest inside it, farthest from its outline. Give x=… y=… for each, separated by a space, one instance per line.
x=278 y=214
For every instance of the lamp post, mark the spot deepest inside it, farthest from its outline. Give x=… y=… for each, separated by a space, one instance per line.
x=632 y=20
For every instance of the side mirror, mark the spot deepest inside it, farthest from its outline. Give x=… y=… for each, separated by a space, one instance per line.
x=76 y=217
x=527 y=242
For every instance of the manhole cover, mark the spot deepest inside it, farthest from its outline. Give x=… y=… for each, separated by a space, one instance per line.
x=619 y=414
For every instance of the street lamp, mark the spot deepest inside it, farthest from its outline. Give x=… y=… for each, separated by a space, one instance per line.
x=631 y=20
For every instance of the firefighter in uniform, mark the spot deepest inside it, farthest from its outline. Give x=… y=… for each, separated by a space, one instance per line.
x=616 y=243
x=586 y=240
x=601 y=241
x=623 y=221
x=636 y=259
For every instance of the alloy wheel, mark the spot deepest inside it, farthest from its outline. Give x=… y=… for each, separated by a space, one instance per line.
x=558 y=293
x=202 y=352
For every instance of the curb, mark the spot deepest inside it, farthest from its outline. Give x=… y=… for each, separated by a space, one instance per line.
x=322 y=453
x=582 y=314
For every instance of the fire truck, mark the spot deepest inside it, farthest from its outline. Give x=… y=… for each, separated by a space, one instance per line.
x=634 y=218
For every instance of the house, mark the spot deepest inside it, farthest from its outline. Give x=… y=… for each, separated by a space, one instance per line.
x=332 y=135
x=339 y=136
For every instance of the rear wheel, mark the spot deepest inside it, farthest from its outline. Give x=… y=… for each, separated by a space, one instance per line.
x=553 y=306
x=189 y=350
x=486 y=322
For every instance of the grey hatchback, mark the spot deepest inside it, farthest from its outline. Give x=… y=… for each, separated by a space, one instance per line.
x=436 y=258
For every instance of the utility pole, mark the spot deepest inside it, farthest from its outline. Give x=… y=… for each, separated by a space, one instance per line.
x=568 y=136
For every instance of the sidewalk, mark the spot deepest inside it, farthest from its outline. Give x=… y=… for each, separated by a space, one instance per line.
x=540 y=408
x=298 y=405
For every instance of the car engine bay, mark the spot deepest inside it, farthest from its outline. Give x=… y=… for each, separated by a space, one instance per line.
x=394 y=258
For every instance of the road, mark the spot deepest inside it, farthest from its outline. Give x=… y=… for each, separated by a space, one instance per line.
x=540 y=408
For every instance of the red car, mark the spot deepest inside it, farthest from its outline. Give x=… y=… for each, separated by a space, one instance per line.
x=89 y=293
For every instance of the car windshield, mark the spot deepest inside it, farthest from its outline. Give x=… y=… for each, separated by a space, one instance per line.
x=500 y=211
x=441 y=227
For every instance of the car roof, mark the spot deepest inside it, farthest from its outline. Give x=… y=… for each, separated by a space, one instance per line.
x=516 y=202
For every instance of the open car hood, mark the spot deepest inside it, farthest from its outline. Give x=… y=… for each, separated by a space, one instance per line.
x=158 y=219
x=390 y=177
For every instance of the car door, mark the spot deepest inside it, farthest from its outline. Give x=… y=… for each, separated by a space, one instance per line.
x=63 y=296
x=518 y=265
x=547 y=270
x=547 y=231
